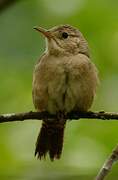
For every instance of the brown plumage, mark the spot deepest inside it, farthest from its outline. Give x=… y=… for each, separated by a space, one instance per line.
x=64 y=79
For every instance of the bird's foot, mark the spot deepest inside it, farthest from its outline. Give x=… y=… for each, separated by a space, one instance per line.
x=61 y=116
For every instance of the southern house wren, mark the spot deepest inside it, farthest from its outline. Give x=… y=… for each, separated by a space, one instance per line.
x=64 y=79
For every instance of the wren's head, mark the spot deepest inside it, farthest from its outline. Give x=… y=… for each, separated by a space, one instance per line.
x=65 y=40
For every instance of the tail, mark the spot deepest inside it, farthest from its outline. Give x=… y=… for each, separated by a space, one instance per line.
x=50 y=139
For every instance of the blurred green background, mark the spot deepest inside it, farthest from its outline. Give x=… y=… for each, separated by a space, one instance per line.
x=87 y=142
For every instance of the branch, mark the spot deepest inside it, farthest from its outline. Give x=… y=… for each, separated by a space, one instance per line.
x=108 y=164
x=74 y=115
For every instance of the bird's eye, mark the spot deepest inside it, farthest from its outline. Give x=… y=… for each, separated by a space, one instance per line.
x=65 y=35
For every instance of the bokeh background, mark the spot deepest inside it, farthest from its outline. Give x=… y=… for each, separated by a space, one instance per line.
x=87 y=142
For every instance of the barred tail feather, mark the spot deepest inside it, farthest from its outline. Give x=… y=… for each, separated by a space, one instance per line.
x=56 y=143
x=42 y=144
x=50 y=139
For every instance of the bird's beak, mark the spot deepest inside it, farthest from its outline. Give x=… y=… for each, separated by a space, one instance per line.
x=46 y=33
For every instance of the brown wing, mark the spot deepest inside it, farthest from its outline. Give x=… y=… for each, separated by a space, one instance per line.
x=39 y=90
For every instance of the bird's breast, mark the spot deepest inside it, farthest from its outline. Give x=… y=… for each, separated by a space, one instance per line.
x=69 y=83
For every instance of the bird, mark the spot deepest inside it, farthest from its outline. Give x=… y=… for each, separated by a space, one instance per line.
x=64 y=80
